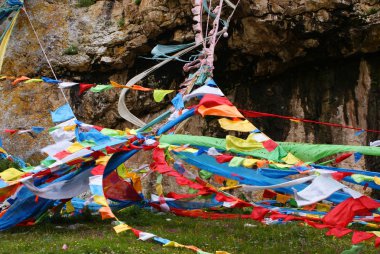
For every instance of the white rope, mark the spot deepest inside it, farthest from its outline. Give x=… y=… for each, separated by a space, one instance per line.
x=208 y=19
x=233 y=12
x=231 y=4
x=44 y=52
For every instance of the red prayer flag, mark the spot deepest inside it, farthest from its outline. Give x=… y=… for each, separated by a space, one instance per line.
x=84 y=87
x=343 y=157
x=224 y=158
x=10 y=131
x=360 y=236
x=98 y=170
x=270 y=145
x=339 y=232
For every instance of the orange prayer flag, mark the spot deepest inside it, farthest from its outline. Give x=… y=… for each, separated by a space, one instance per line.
x=20 y=79
x=219 y=179
x=141 y=88
x=220 y=110
x=117 y=85
x=261 y=163
x=106 y=213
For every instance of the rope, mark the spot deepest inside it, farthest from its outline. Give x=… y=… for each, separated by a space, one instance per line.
x=208 y=20
x=255 y=114
x=44 y=53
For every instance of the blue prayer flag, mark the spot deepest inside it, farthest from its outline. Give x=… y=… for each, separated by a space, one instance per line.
x=178 y=101
x=358 y=156
x=37 y=129
x=49 y=80
x=62 y=114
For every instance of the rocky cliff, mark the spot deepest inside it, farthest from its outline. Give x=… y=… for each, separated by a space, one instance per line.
x=305 y=58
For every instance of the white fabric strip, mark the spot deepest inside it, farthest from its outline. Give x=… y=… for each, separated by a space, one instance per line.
x=281 y=185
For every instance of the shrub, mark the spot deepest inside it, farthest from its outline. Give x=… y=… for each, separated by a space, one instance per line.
x=5 y=164
x=85 y=3
x=372 y=11
x=71 y=50
x=121 y=22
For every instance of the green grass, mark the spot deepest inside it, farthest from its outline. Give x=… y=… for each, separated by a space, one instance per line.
x=96 y=236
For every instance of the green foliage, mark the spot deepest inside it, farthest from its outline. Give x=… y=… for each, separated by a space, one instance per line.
x=372 y=11
x=71 y=50
x=121 y=22
x=85 y=3
x=5 y=164
x=137 y=2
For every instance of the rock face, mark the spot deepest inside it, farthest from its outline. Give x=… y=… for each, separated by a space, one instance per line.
x=304 y=58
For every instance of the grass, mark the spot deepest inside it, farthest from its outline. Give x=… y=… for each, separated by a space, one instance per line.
x=96 y=236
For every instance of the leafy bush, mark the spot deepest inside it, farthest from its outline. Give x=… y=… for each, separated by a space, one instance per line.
x=5 y=164
x=372 y=11
x=85 y=3
x=71 y=50
x=121 y=22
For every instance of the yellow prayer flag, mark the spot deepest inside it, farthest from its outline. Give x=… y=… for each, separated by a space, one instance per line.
x=282 y=198
x=238 y=144
x=75 y=148
x=121 y=228
x=174 y=244
x=377 y=233
x=323 y=207
x=376 y=180
x=290 y=159
x=236 y=125
x=159 y=189
x=231 y=183
x=69 y=207
x=11 y=174
x=69 y=128
x=103 y=160
x=100 y=200
x=4 y=43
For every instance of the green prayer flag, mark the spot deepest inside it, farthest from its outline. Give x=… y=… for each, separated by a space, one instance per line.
x=33 y=80
x=205 y=174
x=100 y=88
x=159 y=95
x=236 y=161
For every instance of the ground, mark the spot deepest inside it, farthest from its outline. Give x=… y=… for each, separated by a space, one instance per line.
x=91 y=235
